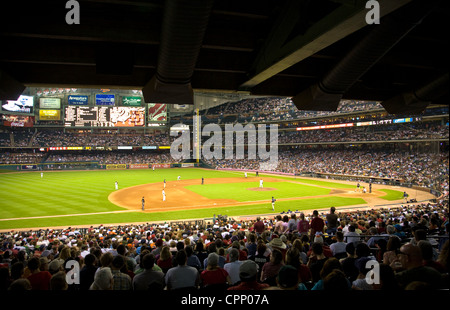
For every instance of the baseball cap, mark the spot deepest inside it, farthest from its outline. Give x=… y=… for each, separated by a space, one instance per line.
x=248 y=269
x=287 y=276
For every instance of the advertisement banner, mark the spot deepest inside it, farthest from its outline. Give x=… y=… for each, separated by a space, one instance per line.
x=160 y=165
x=78 y=100
x=50 y=103
x=186 y=165
x=49 y=115
x=132 y=101
x=138 y=166
x=157 y=112
x=29 y=167
x=103 y=99
x=118 y=166
x=17 y=120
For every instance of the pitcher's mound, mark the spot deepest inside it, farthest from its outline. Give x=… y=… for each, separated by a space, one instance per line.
x=261 y=189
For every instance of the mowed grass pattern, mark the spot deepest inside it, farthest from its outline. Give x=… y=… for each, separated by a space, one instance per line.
x=76 y=192
x=66 y=198
x=241 y=192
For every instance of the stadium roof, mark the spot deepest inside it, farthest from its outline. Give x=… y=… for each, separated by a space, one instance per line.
x=316 y=52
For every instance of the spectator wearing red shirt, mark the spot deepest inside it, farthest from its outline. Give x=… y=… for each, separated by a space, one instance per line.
x=259 y=227
x=213 y=274
x=40 y=280
x=317 y=224
x=303 y=225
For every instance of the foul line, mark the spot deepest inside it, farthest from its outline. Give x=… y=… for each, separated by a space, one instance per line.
x=62 y=215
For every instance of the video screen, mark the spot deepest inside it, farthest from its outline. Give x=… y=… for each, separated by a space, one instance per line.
x=22 y=105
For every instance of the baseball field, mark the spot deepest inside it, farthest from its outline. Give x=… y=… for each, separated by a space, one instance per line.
x=84 y=198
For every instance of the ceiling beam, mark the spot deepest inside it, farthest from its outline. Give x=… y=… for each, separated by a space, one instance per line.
x=277 y=56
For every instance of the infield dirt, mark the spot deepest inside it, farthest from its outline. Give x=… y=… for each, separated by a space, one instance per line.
x=178 y=197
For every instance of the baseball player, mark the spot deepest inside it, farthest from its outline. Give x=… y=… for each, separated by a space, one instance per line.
x=261 y=183
x=245 y=174
x=116 y=185
x=273 y=203
x=164 y=195
x=42 y=175
x=179 y=177
x=164 y=183
x=143 y=203
x=405 y=196
x=203 y=181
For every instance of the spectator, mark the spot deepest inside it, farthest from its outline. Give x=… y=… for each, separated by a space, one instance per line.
x=443 y=258
x=278 y=228
x=122 y=281
x=316 y=261
x=294 y=259
x=165 y=259
x=411 y=259
x=200 y=252
x=149 y=279
x=332 y=221
x=182 y=276
x=233 y=266
x=363 y=267
x=20 y=284
x=287 y=279
x=259 y=226
x=103 y=280
x=351 y=236
x=271 y=268
x=427 y=254
x=251 y=245
x=329 y=265
x=58 y=282
x=317 y=224
x=298 y=244
x=292 y=223
x=338 y=247
x=214 y=275
x=336 y=281
x=87 y=272
x=261 y=257
x=348 y=263
x=392 y=250
x=387 y=281
x=39 y=280
x=303 y=225
x=192 y=259
x=247 y=274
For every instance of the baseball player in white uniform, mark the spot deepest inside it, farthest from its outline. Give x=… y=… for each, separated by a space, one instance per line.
x=261 y=183
x=164 y=195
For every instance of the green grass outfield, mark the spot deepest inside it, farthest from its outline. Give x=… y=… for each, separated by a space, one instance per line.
x=391 y=194
x=74 y=198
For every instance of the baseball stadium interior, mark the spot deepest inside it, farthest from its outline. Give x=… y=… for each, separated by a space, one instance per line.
x=351 y=101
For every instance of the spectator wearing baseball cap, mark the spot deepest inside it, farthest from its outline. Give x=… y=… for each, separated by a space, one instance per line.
x=247 y=273
x=287 y=279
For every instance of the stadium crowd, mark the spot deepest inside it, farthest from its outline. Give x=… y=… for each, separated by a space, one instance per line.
x=423 y=169
x=384 y=133
x=331 y=250
x=274 y=109
x=56 y=137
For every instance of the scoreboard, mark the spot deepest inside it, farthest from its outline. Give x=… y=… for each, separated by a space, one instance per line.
x=103 y=116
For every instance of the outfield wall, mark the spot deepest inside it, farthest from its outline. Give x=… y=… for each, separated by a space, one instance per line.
x=92 y=165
